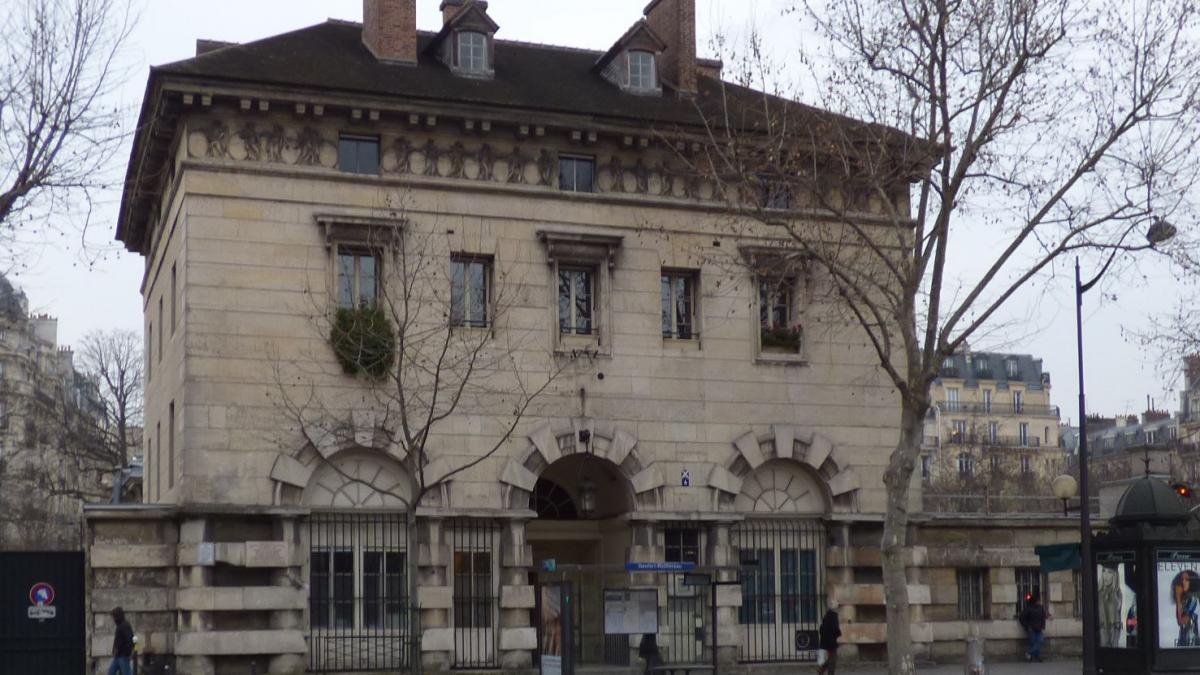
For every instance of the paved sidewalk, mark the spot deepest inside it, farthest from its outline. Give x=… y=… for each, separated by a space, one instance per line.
x=993 y=668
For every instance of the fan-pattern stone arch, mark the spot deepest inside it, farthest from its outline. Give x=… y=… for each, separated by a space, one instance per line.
x=549 y=443
x=358 y=480
x=782 y=486
x=818 y=453
x=292 y=473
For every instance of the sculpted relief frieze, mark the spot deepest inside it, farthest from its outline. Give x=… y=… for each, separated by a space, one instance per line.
x=310 y=146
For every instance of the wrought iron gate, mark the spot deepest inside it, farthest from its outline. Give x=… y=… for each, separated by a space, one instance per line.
x=41 y=613
x=476 y=544
x=358 y=603
x=783 y=586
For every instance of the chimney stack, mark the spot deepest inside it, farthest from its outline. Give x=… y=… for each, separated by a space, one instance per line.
x=390 y=30
x=451 y=7
x=675 y=22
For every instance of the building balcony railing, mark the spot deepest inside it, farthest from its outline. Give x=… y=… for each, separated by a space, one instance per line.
x=989 y=441
x=1026 y=409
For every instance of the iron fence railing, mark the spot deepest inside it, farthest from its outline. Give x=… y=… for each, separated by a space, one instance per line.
x=782 y=577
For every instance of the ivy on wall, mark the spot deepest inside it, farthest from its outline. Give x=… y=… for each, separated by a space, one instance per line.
x=363 y=341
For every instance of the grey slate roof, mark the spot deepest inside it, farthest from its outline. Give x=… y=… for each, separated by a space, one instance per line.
x=986 y=366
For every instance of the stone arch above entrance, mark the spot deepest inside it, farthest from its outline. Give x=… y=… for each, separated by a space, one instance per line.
x=782 y=486
x=549 y=443
x=361 y=479
x=826 y=463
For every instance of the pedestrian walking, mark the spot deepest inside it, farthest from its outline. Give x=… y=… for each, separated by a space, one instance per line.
x=1033 y=620
x=122 y=663
x=827 y=640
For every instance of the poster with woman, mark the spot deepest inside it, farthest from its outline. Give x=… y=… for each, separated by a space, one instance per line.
x=1117 y=601
x=1178 y=584
x=551 y=620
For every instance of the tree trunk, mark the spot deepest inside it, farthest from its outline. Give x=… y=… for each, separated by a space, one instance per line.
x=412 y=547
x=895 y=538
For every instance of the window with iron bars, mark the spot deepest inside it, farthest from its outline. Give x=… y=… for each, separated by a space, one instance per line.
x=782 y=587
x=476 y=548
x=358 y=606
x=971 y=589
x=1030 y=582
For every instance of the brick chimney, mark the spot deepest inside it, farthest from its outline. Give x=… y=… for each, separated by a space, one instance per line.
x=675 y=22
x=390 y=30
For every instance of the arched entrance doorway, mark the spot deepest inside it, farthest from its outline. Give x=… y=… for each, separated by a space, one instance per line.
x=581 y=500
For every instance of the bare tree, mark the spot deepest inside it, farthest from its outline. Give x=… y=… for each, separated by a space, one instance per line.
x=429 y=341
x=113 y=359
x=982 y=143
x=59 y=127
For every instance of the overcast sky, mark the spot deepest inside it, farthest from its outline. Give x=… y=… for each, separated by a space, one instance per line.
x=85 y=296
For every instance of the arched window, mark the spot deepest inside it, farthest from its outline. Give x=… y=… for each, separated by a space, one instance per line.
x=551 y=501
x=641 y=71
x=472 y=52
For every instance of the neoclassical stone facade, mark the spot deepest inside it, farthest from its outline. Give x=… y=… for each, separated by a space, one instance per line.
x=697 y=414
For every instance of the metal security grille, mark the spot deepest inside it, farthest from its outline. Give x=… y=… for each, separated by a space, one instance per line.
x=358 y=605
x=476 y=546
x=970 y=593
x=687 y=613
x=1030 y=582
x=783 y=581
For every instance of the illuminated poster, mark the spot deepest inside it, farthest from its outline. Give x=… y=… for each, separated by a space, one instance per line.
x=630 y=611
x=551 y=647
x=1116 y=603
x=1178 y=585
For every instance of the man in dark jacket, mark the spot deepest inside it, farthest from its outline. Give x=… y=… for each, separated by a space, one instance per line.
x=122 y=663
x=1033 y=620
x=827 y=639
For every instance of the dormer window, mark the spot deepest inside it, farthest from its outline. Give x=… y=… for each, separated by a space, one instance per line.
x=641 y=71
x=472 y=52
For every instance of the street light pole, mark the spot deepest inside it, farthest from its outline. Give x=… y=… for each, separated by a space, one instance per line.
x=1087 y=580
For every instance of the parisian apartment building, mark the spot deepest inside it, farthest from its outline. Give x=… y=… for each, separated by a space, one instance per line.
x=992 y=426
x=707 y=409
x=49 y=413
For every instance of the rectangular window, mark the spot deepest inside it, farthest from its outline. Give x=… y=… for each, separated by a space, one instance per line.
x=641 y=70
x=1023 y=433
x=149 y=349
x=678 y=291
x=383 y=589
x=952 y=399
x=576 y=300
x=774 y=193
x=993 y=432
x=1030 y=582
x=357 y=277
x=798 y=585
x=1011 y=369
x=470 y=291
x=775 y=303
x=472 y=52
x=987 y=400
x=331 y=588
x=960 y=431
x=925 y=468
x=358 y=154
x=576 y=174
x=171 y=445
x=1026 y=464
x=173 y=291
x=758 y=585
x=1018 y=401
x=160 y=328
x=995 y=459
x=966 y=465
x=970 y=593
x=472 y=589
x=158 y=461
x=682 y=544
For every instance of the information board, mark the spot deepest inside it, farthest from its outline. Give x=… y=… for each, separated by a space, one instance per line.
x=1178 y=577
x=630 y=611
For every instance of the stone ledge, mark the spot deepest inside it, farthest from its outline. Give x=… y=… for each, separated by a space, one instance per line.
x=249 y=598
x=227 y=643
x=111 y=556
x=517 y=597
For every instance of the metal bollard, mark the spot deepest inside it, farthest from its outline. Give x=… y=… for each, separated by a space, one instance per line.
x=976 y=664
